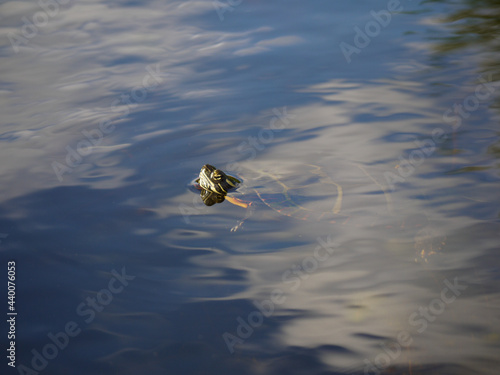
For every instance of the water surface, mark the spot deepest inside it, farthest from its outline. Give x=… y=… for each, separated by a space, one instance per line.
x=109 y=110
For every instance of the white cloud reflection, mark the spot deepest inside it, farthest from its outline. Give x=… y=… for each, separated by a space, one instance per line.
x=87 y=55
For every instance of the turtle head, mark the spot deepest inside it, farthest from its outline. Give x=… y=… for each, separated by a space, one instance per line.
x=215 y=180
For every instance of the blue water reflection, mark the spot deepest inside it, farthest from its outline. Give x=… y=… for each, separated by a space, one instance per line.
x=110 y=110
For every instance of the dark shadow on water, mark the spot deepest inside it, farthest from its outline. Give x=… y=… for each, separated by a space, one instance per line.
x=67 y=240
x=473 y=25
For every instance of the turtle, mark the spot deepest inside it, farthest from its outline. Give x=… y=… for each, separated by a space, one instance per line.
x=304 y=192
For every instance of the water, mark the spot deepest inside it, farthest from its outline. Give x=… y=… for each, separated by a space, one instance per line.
x=109 y=110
